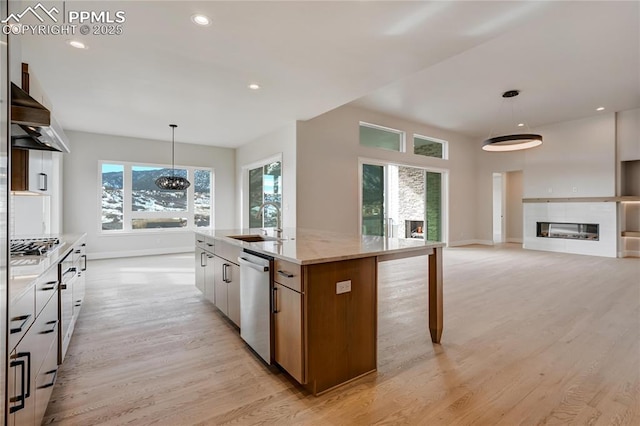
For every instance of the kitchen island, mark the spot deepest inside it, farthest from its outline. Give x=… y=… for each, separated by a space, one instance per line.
x=325 y=298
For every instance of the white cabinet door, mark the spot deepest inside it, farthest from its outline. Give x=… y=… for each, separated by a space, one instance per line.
x=220 y=284
x=200 y=263
x=233 y=292
x=40 y=171
x=209 y=278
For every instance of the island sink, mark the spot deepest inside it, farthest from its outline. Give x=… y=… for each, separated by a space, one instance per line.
x=253 y=238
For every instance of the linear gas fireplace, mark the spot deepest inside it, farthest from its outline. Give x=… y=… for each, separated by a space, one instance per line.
x=569 y=231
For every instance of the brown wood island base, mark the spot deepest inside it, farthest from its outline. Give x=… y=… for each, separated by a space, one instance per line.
x=341 y=329
x=325 y=300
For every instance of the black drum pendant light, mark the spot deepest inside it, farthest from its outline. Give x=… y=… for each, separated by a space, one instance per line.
x=173 y=182
x=513 y=142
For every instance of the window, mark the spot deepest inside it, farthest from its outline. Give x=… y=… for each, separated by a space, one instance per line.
x=131 y=201
x=112 y=196
x=381 y=137
x=429 y=147
x=265 y=185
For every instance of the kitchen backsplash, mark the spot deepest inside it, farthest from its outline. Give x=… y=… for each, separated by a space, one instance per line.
x=30 y=215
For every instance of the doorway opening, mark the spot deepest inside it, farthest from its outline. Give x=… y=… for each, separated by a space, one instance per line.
x=402 y=201
x=507 y=207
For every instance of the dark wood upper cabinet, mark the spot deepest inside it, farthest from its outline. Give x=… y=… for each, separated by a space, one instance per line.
x=19 y=169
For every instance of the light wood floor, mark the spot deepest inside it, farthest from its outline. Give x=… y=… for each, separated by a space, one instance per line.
x=530 y=338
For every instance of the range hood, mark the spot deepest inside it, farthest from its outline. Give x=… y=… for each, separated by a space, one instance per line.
x=32 y=126
x=41 y=138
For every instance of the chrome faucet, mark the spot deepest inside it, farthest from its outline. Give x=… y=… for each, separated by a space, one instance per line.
x=278 y=228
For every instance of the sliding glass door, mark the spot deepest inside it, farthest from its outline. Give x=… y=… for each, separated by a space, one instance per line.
x=373 y=200
x=401 y=202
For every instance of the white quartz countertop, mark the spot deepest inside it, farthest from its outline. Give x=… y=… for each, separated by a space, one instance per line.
x=25 y=270
x=305 y=246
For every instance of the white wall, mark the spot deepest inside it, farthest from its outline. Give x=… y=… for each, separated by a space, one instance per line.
x=328 y=153
x=281 y=141
x=578 y=153
x=577 y=159
x=81 y=196
x=628 y=134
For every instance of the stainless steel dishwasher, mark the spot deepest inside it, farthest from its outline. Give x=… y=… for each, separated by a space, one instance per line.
x=255 y=302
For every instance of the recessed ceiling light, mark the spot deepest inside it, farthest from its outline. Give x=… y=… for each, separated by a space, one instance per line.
x=254 y=86
x=77 y=44
x=201 y=20
x=600 y=109
x=520 y=124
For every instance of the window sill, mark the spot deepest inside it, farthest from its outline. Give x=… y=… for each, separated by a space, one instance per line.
x=150 y=232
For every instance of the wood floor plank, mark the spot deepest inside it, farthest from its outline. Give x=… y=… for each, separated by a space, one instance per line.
x=530 y=338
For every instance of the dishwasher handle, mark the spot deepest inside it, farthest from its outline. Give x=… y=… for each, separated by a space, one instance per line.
x=243 y=261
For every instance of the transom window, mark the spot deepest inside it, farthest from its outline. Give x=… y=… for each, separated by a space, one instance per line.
x=429 y=147
x=375 y=136
x=131 y=201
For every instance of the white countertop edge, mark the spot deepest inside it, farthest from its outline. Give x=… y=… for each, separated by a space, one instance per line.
x=267 y=247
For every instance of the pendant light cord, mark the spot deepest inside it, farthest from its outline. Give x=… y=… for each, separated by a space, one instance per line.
x=493 y=126
x=173 y=148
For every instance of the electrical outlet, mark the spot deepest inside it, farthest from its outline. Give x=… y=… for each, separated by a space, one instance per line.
x=574 y=189
x=343 y=287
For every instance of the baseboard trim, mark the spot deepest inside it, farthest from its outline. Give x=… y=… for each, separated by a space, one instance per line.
x=469 y=242
x=136 y=253
x=514 y=240
x=629 y=253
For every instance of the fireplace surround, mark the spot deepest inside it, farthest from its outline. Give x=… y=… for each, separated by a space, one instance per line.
x=567 y=236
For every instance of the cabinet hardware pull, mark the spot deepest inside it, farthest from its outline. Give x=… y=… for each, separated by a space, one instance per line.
x=53 y=380
x=77 y=305
x=53 y=328
x=203 y=262
x=275 y=300
x=63 y=286
x=285 y=273
x=24 y=319
x=210 y=245
x=84 y=262
x=21 y=397
x=224 y=273
x=200 y=241
x=50 y=285
x=83 y=245
x=27 y=367
x=72 y=270
x=43 y=181
x=78 y=251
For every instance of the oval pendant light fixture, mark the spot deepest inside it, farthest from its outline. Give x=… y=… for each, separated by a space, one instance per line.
x=513 y=142
x=173 y=182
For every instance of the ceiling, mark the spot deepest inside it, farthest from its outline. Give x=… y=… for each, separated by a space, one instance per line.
x=441 y=63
